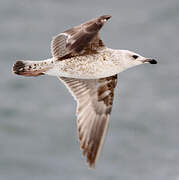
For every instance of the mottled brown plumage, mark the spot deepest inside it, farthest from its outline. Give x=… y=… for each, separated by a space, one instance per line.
x=94 y=103
x=89 y=70
x=78 y=40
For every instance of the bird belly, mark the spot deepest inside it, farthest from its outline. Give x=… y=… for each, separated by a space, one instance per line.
x=85 y=67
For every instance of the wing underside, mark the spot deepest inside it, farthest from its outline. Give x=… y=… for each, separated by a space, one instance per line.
x=94 y=103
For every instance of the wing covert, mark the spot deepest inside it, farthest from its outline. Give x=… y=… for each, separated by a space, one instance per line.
x=81 y=38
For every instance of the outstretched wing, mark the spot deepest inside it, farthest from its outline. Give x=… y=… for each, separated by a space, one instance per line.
x=94 y=103
x=79 y=38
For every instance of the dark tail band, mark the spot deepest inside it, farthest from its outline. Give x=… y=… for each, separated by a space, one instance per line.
x=24 y=69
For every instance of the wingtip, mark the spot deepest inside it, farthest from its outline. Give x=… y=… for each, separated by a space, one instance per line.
x=91 y=166
x=91 y=163
x=106 y=17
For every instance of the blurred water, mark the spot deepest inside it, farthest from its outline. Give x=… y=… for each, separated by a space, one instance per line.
x=38 y=138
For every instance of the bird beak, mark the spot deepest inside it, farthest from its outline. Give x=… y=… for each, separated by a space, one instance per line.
x=151 y=61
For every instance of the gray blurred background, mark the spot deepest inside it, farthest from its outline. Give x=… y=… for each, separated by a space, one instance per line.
x=38 y=136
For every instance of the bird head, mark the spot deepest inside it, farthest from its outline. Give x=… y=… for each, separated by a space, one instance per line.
x=129 y=59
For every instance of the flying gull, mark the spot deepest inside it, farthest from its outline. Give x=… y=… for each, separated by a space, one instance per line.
x=89 y=70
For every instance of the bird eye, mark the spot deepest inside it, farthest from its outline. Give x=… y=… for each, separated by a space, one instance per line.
x=135 y=56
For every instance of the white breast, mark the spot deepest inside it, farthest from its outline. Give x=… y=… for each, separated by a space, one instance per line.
x=92 y=66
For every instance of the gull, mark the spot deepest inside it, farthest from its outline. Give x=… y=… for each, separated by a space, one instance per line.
x=89 y=70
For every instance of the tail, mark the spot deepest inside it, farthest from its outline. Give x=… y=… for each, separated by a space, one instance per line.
x=31 y=68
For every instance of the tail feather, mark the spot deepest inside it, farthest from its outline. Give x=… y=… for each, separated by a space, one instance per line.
x=30 y=68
